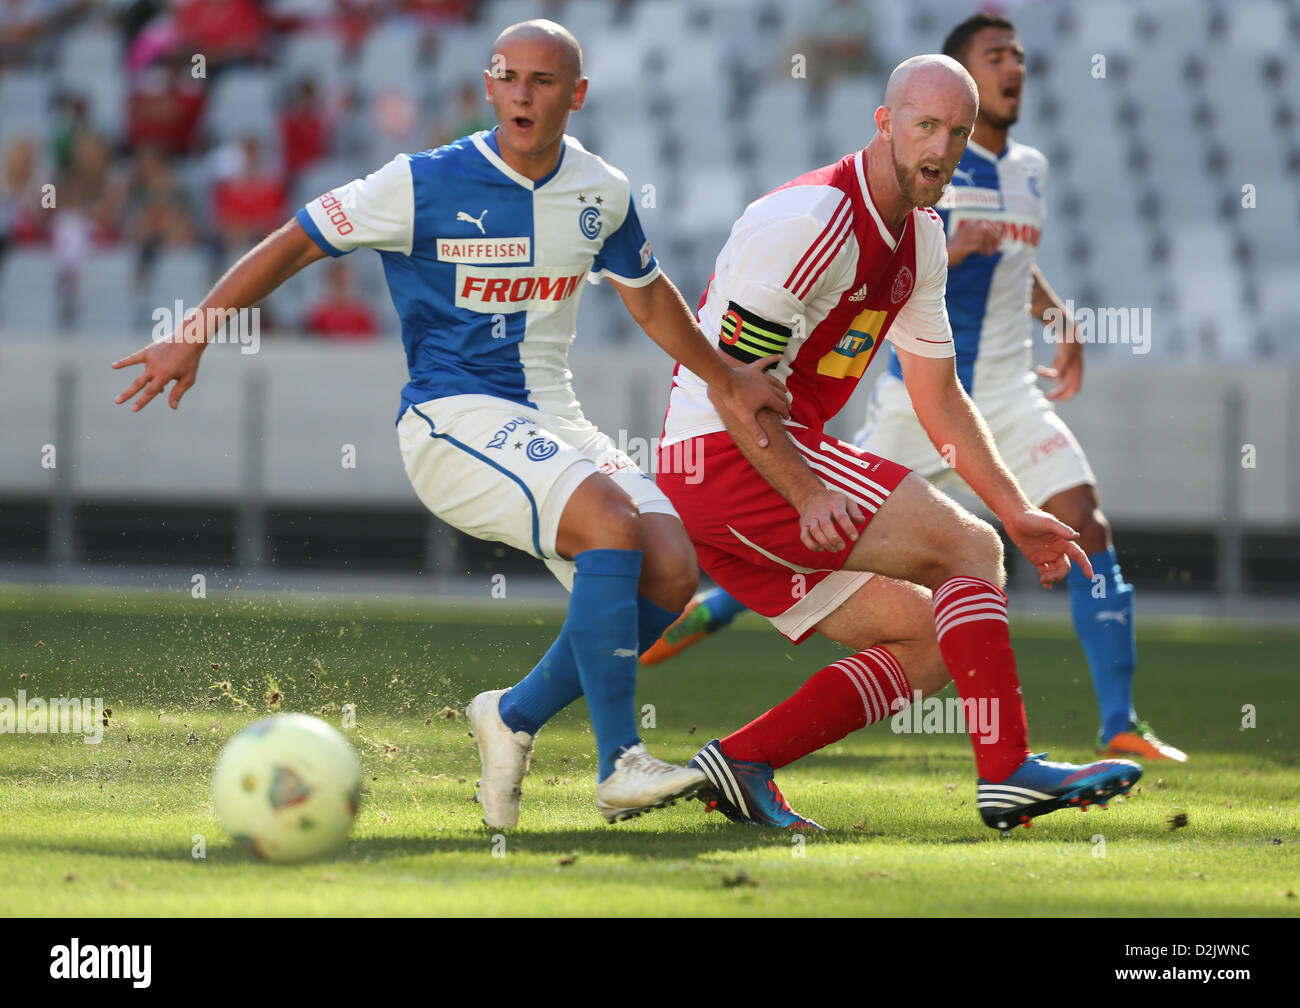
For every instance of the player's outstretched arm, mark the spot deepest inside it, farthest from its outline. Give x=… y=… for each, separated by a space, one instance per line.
x=961 y=436
x=1067 y=364
x=658 y=308
x=175 y=358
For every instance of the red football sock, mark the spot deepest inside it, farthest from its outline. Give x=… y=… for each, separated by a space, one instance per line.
x=970 y=615
x=851 y=694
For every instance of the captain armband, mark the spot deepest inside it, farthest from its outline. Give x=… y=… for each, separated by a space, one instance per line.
x=747 y=337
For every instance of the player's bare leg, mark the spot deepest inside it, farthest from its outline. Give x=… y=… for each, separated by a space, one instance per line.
x=1102 y=610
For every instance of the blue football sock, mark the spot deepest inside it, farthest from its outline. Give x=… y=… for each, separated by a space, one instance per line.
x=545 y=691
x=652 y=620
x=1103 y=619
x=722 y=607
x=554 y=683
x=604 y=642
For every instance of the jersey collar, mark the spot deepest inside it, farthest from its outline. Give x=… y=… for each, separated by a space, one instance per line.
x=859 y=162
x=985 y=153
x=486 y=142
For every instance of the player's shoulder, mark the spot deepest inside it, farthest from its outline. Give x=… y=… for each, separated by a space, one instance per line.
x=797 y=209
x=450 y=156
x=579 y=160
x=931 y=240
x=1023 y=154
x=927 y=218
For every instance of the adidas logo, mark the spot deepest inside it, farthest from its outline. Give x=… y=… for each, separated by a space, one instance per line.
x=860 y=294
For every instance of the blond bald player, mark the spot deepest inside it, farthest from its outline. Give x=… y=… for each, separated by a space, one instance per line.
x=822 y=537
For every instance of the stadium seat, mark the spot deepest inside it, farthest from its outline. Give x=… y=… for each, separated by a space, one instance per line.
x=28 y=294
x=316 y=54
x=1256 y=25
x=1100 y=23
x=106 y=297
x=89 y=61
x=178 y=275
x=243 y=103
x=389 y=55
x=25 y=101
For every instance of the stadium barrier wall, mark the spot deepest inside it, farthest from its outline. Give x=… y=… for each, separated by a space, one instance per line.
x=1213 y=449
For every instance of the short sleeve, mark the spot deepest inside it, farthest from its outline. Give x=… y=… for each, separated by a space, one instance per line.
x=788 y=249
x=375 y=212
x=626 y=255
x=921 y=327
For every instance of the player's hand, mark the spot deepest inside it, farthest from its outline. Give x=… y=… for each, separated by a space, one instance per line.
x=979 y=237
x=1048 y=544
x=826 y=521
x=1066 y=369
x=750 y=389
x=164 y=362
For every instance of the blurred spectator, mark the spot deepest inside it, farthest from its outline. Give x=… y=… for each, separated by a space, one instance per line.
x=71 y=123
x=89 y=203
x=226 y=32
x=22 y=218
x=27 y=27
x=165 y=106
x=468 y=115
x=839 y=43
x=159 y=211
x=249 y=204
x=437 y=13
x=341 y=314
x=305 y=127
x=353 y=20
x=90 y=188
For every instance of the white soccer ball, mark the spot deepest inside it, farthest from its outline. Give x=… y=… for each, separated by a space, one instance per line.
x=287 y=787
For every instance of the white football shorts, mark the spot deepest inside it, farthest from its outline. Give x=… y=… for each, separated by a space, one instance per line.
x=1034 y=441
x=504 y=472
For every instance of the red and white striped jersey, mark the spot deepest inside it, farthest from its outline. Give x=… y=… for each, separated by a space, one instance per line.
x=811 y=272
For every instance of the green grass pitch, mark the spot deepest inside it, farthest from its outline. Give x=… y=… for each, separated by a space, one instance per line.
x=112 y=829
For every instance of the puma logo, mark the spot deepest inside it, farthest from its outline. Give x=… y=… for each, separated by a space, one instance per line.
x=1113 y=616
x=461 y=215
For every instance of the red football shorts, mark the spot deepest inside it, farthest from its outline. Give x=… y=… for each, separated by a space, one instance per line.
x=747 y=535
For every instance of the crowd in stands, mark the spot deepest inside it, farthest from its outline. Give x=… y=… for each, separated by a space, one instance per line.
x=164 y=180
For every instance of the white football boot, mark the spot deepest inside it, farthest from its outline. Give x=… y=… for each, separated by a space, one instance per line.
x=640 y=782
x=504 y=756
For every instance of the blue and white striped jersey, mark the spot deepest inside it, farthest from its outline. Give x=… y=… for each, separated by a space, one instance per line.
x=988 y=296
x=485 y=266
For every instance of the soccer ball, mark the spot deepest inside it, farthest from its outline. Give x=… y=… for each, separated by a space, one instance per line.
x=287 y=787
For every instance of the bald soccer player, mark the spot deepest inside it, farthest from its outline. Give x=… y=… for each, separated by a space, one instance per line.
x=485 y=243
x=820 y=536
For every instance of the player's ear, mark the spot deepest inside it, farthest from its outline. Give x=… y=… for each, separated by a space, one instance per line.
x=884 y=122
x=487 y=85
x=579 y=95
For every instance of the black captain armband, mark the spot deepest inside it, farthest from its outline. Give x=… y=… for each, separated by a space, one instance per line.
x=747 y=337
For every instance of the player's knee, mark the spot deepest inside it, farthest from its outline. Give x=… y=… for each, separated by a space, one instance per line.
x=977 y=553
x=1080 y=509
x=674 y=586
x=670 y=573
x=1094 y=531
x=607 y=523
